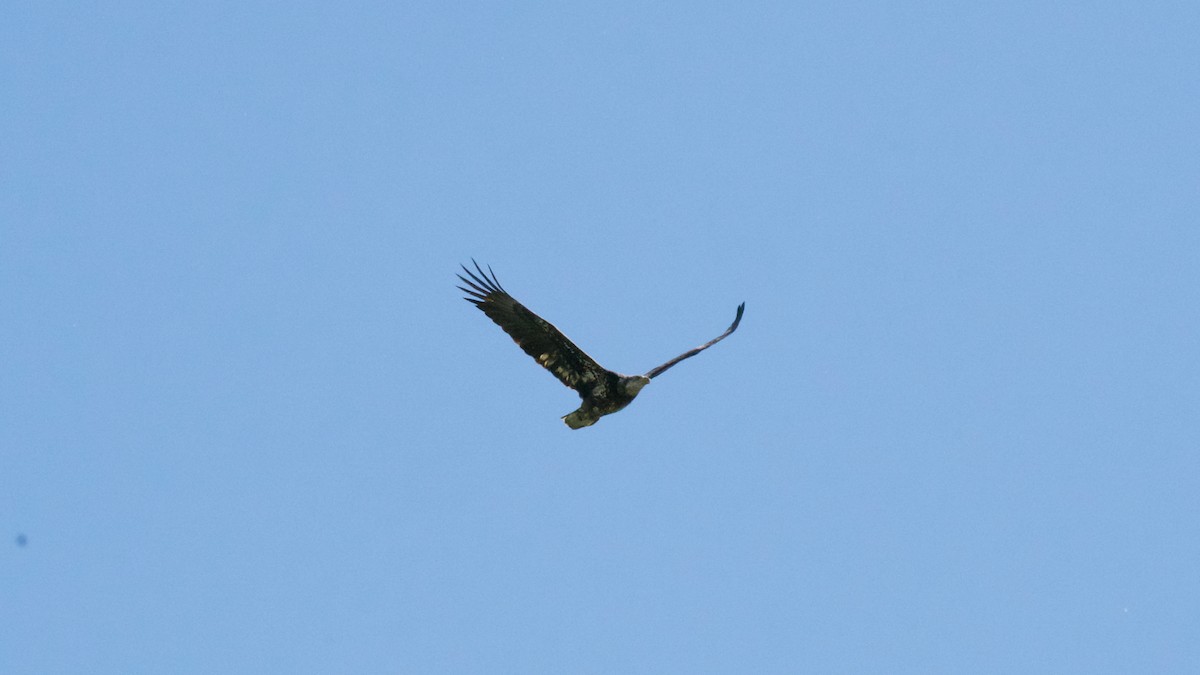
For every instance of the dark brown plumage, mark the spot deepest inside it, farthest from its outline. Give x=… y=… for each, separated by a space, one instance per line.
x=603 y=391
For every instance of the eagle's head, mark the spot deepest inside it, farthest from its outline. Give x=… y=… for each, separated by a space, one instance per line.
x=632 y=384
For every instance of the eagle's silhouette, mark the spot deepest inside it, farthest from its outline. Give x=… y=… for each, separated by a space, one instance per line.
x=603 y=391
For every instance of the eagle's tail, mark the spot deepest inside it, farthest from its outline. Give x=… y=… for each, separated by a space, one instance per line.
x=581 y=418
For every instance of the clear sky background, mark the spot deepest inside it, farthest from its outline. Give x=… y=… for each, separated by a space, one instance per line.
x=247 y=425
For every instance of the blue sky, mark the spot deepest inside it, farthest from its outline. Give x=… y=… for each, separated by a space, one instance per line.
x=247 y=424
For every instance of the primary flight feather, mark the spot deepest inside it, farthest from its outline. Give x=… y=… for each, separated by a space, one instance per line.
x=603 y=391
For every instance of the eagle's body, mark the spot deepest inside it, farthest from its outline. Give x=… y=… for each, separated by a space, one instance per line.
x=603 y=391
x=611 y=393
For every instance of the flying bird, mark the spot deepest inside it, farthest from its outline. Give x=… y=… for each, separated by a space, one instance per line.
x=603 y=391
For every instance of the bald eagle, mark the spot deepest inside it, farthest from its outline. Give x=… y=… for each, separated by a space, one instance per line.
x=603 y=391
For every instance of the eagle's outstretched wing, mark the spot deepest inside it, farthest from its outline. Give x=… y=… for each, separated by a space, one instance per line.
x=692 y=352
x=533 y=334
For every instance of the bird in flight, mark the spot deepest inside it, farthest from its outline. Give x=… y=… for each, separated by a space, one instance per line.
x=603 y=391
